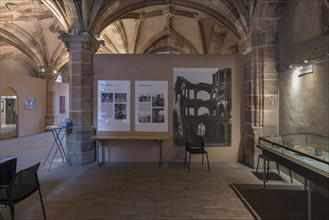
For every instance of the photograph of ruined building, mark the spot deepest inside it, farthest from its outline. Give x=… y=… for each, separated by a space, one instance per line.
x=203 y=108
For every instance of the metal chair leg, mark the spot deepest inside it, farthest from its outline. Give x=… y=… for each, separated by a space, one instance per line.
x=43 y=207
x=208 y=162
x=189 y=163
x=185 y=156
x=290 y=176
x=12 y=211
x=257 y=164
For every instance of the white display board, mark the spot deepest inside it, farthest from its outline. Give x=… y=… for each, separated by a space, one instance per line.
x=113 y=112
x=151 y=106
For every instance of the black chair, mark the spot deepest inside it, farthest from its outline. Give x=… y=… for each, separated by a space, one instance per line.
x=194 y=145
x=267 y=160
x=24 y=184
x=7 y=170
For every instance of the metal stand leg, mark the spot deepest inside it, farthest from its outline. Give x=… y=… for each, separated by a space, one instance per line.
x=56 y=132
x=309 y=200
x=61 y=148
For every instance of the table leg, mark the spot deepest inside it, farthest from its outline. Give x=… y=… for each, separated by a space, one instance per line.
x=159 y=143
x=99 y=144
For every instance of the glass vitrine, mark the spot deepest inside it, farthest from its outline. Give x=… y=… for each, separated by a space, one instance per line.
x=306 y=154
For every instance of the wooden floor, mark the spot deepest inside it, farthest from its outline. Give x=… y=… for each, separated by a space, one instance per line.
x=144 y=191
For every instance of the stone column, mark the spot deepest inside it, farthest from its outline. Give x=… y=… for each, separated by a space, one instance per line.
x=81 y=48
x=51 y=118
x=261 y=117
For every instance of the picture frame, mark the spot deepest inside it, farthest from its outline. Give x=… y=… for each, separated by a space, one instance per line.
x=61 y=104
x=30 y=103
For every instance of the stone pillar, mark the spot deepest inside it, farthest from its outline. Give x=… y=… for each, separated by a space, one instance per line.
x=81 y=48
x=51 y=117
x=261 y=117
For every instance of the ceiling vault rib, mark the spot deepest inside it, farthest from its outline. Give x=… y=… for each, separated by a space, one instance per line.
x=202 y=37
x=120 y=27
x=138 y=32
x=58 y=11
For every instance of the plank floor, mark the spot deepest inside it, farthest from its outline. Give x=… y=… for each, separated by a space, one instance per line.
x=144 y=191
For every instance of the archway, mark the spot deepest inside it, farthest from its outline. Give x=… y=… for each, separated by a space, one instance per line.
x=9 y=113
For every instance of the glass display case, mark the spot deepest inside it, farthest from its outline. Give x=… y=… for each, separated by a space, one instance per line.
x=306 y=154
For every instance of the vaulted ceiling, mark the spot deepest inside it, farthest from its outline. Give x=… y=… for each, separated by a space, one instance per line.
x=29 y=29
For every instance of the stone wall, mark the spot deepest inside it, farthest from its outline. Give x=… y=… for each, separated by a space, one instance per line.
x=304 y=100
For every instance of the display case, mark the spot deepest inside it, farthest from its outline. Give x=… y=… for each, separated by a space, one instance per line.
x=305 y=154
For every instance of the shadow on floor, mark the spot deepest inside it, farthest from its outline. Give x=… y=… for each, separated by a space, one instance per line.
x=281 y=202
x=271 y=176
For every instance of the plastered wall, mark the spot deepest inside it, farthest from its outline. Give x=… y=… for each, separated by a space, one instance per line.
x=160 y=67
x=29 y=121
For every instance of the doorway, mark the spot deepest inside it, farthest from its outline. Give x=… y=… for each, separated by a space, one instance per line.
x=9 y=114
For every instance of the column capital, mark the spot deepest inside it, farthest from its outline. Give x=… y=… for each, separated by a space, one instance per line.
x=78 y=41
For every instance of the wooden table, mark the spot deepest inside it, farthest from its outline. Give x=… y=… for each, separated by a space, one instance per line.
x=101 y=138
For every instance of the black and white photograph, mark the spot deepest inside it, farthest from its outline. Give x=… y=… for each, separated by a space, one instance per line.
x=120 y=111
x=144 y=97
x=107 y=97
x=158 y=100
x=158 y=115
x=120 y=97
x=202 y=105
x=144 y=117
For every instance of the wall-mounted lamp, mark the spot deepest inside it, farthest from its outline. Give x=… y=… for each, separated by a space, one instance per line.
x=303 y=70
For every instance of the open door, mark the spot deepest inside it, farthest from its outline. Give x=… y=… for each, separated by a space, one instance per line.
x=9 y=114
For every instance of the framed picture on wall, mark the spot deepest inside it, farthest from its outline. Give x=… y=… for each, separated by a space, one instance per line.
x=30 y=103
x=62 y=104
x=2 y=106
